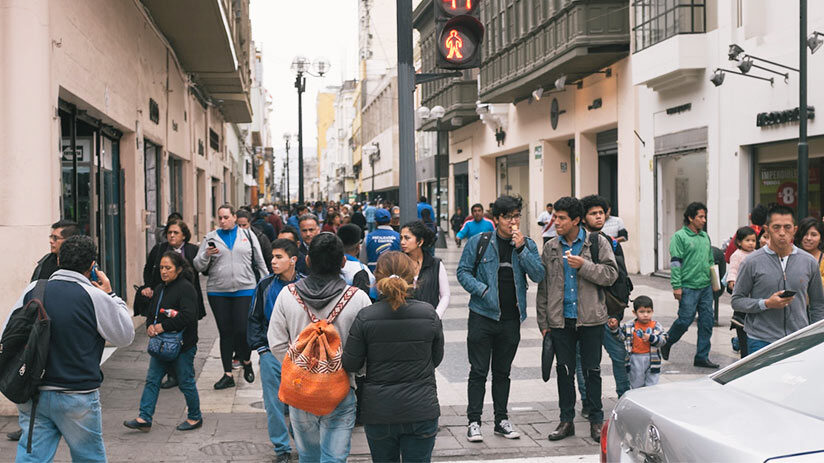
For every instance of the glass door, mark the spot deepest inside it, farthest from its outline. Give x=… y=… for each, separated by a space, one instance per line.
x=109 y=213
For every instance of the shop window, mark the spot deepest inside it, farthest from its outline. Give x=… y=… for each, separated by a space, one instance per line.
x=777 y=183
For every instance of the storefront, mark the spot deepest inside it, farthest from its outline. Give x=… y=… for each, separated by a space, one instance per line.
x=775 y=176
x=512 y=178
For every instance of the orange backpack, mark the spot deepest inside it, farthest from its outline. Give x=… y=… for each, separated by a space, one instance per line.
x=312 y=377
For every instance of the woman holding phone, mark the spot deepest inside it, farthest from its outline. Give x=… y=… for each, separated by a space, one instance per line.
x=232 y=258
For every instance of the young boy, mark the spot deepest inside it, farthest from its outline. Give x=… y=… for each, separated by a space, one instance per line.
x=642 y=337
x=284 y=258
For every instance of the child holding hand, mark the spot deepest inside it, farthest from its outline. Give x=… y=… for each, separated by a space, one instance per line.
x=643 y=338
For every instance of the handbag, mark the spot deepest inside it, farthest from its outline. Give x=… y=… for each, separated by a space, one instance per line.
x=165 y=346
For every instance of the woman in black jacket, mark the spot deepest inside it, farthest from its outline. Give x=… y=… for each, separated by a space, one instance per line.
x=431 y=281
x=174 y=303
x=401 y=341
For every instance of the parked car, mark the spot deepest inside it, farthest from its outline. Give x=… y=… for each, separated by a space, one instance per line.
x=767 y=407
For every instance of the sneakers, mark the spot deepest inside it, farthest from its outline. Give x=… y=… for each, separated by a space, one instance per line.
x=225 y=382
x=473 y=432
x=505 y=428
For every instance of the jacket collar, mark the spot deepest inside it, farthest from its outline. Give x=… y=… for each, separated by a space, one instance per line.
x=770 y=251
x=71 y=275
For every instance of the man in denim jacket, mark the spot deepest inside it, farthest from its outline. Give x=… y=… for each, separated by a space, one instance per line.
x=497 y=306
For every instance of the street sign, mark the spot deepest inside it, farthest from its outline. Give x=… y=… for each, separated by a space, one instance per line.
x=459 y=34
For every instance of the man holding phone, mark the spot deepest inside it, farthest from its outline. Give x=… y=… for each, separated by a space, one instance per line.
x=774 y=283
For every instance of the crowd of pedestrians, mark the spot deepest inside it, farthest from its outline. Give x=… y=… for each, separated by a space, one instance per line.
x=335 y=298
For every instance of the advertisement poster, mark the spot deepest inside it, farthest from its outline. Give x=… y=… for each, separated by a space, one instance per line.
x=778 y=184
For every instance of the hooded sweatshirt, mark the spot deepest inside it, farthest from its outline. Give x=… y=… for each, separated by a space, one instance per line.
x=320 y=293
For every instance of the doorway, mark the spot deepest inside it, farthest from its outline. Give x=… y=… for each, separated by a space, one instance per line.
x=460 y=173
x=679 y=180
x=512 y=174
x=607 y=147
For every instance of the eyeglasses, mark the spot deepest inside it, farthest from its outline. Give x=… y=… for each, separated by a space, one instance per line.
x=55 y=238
x=510 y=217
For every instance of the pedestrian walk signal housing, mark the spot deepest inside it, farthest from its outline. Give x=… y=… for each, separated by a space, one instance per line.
x=459 y=33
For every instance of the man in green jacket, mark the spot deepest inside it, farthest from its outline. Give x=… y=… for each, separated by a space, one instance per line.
x=691 y=259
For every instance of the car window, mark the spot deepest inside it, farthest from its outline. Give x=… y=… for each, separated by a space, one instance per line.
x=786 y=373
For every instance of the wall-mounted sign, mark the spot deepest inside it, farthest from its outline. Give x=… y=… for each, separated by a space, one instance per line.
x=679 y=109
x=554 y=113
x=563 y=167
x=539 y=151
x=782 y=117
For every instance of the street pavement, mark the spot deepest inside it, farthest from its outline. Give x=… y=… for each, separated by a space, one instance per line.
x=234 y=426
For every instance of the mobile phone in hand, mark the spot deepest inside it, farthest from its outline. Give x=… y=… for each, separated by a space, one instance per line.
x=94 y=273
x=211 y=244
x=787 y=293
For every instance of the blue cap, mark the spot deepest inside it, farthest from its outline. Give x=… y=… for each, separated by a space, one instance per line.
x=382 y=216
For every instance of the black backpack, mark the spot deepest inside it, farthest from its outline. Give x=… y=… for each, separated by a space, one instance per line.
x=483 y=243
x=617 y=295
x=24 y=350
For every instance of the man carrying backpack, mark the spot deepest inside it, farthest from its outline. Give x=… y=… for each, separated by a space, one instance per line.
x=301 y=311
x=84 y=315
x=572 y=310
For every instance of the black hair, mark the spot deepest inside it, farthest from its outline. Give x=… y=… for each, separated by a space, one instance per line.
x=77 y=253
x=641 y=301
x=426 y=215
x=804 y=226
x=422 y=199
x=286 y=245
x=692 y=211
x=309 y=217
x=548 y=204
x=506 y=204
x=187 y=234
x=356 y=207
x=180 y=262
x=572 y=206
x=758 y=238
x=779 y=210
x=742 y=233
x=244 y=214
x=291 y=230
x=301 y=207
x=421 y=232
x=476 y=205
x=758 y=215
x=174 y=216
x=588 y=202
x=325 y=255
x=70 y=228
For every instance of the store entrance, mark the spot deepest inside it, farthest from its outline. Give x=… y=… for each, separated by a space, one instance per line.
x=680 y=180
x=512 y=174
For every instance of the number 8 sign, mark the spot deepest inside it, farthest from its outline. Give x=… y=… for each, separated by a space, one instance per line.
x=787 y=194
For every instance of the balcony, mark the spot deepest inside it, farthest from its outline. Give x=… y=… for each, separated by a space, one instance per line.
x=578 y=38
x=199 y=32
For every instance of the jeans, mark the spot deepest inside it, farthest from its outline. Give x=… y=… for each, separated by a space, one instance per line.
x=326 y=438
x=231 y=317
x=693 y=300
x=270 y=381
x=565 y=341
x=75 y=417
x=617 y=352
x=184 y=365
x=754 y=345
x=371 y=226
x=408 y=442
x=496 y=340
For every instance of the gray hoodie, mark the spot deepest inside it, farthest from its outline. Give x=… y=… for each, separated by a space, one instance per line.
x=231 y=270
x=761 y=275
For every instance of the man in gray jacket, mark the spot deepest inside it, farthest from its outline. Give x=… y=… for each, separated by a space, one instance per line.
x=764 y=277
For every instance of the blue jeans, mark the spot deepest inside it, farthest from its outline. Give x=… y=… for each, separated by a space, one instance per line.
x=326 y=438
x=754 y=345
x=408 y=442
x=693 y=300
x=75 y=417
x=617 y=352
x=184 y=365
x=276 y=422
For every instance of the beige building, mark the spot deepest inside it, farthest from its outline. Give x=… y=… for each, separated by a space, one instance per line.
x=106 y=123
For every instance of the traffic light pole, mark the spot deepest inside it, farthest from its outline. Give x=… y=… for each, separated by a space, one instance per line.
x=406 y=112
x=300 y=84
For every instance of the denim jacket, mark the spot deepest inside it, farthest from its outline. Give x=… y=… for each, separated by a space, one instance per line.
x=483 y=287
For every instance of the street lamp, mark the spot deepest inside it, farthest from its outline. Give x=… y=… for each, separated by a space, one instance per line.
x=301 y=65
x=287 y=138
x=374 y=153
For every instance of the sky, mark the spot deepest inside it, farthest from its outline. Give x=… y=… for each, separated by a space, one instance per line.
x=284 y=29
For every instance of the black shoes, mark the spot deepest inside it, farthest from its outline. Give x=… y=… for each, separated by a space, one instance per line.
x=565 y=429
x=134 y=424
x=595 y=431
x=225 y=382
x=282 y=458
x=14 y=435
x=705 y=363
x=169 y=383
x=248 y=373
x=186 y=426
x=504 y=428
x=585 y=410
x=665 y=350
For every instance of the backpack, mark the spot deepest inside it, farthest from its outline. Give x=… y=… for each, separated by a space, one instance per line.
x=312 y=376
x=24 y=350
x=483 y=243
x=616 y=295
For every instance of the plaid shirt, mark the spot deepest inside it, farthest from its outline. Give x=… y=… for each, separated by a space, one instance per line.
x=657 y=339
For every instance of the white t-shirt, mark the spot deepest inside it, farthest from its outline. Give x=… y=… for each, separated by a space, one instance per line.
x=613 y=225
x=548 y=229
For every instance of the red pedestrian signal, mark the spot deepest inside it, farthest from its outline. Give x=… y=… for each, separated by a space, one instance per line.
x=459 y=34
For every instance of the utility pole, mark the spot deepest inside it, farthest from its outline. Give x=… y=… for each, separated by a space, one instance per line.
x=803 y=148
x=300 y=84
x=406 y=112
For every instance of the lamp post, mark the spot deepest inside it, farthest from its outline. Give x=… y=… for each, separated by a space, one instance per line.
x=301 y=65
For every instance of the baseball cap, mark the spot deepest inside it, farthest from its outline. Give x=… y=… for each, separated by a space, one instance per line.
x=382 y=216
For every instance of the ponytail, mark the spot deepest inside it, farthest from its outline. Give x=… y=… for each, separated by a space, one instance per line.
x=395 y=273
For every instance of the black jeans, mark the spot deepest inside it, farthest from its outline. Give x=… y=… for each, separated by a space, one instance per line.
x=564 y=340
x=231 y=316
x=408 y=442
x=496 y=340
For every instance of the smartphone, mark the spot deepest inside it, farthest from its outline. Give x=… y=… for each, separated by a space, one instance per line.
x=211 y=244
x=94 y=273
x=787 y=293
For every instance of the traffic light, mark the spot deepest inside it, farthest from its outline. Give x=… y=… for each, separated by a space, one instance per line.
x=459 y=33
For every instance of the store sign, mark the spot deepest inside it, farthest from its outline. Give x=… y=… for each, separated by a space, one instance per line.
x=782 y=117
